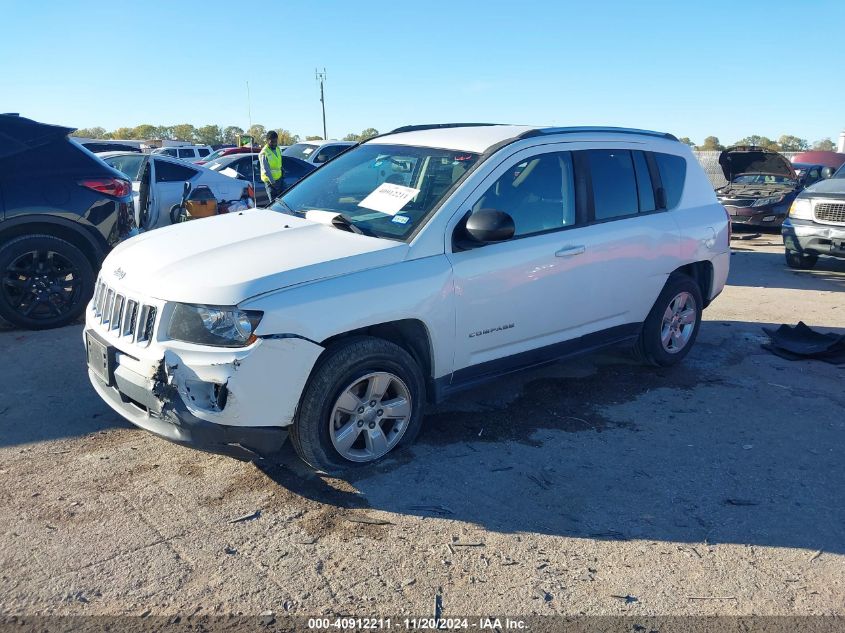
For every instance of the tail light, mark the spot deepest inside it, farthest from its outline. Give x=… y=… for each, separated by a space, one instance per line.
x=116 y=187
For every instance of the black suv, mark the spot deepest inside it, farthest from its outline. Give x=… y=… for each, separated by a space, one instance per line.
x=61 y=210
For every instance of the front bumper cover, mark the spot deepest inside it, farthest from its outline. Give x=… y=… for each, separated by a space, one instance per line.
x=806 y=236
x=176 y=424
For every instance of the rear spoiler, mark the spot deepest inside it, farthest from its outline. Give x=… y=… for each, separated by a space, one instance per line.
x=19 y=134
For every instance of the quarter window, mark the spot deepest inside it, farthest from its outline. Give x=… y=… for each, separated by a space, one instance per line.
x=673 y=172
x=202 y=152
x=614 y=183
x=186 y=153
x=171 y=172
x=538 y=193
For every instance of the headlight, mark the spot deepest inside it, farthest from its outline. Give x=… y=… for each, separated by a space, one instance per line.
x=801 y=209
x=213 y=325
x=762 y=202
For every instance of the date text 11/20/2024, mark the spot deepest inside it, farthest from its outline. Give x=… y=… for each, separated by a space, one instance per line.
x=415 y=624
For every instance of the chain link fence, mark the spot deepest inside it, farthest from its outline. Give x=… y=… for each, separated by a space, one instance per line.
x=710 y=162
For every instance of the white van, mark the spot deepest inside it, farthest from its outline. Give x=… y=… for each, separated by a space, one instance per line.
x=188 y=153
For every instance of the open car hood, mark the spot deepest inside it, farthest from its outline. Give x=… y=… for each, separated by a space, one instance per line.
x=19 y=134
x=749 y=159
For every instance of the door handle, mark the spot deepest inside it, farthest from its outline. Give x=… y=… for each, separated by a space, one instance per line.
x=569 y=251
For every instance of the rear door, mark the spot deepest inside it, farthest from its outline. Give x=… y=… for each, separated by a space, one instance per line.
x=170 y=177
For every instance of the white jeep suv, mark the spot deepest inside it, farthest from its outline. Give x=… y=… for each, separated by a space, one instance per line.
x=412 y=266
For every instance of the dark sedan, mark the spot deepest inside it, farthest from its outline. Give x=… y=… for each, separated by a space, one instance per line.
x=246 y=166
x=761 y=185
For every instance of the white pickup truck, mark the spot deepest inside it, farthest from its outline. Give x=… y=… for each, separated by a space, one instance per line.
x=412 y=266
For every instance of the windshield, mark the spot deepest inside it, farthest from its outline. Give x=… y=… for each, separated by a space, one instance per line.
x=300 y=150
x=383 y=190
x=215 y=154
x=762 y=179
x=129 y=164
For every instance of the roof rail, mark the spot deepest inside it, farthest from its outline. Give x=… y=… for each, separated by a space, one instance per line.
x=436 y=126
x=588 y=129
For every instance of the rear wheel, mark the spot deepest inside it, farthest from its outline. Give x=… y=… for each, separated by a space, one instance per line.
x=364 y=400
x=45 y=282
x=800 y=261
x=671 y=327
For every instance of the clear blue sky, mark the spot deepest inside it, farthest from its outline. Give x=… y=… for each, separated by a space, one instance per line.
x=727 y=68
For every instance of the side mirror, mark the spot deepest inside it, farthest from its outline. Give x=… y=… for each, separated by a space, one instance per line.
x=487 y=226
x=827 y=172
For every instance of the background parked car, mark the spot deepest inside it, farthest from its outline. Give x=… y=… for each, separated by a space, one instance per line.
x=226 y=151
x=810 y=174
x=58 y=220
x=317 y=152
x=158 y=182
x=110 y=147
x=761 y=185
x=827 y=159
x=246 y=167
x=816 y=223
x=189 y=153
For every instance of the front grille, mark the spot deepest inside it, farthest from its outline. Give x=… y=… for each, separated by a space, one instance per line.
x=739 y=203
x=122 y=316
x=830 y=212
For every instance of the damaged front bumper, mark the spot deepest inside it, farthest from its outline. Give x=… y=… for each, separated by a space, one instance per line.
x=809 y=237
x=231 y=402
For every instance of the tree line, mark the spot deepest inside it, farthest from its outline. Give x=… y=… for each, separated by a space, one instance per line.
x=786 y=143
x=206 y=134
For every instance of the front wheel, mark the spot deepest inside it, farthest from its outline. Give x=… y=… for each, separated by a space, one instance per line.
x=363 y=401
x=800 y=261
x=671 y=327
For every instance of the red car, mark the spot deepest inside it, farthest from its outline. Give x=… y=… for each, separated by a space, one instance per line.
x=225 y=151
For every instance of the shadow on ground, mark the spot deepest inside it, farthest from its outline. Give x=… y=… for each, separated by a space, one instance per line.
x=734 y=446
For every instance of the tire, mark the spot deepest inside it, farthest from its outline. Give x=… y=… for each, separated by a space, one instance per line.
x=45 y=282
x=174 y=213
x=680 y=292
x=799 y=261
x=349 y=369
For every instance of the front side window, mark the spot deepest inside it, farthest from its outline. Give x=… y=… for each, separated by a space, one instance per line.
x=614 y=183
x=382 y=190
x=329 y=152
x=538 y=193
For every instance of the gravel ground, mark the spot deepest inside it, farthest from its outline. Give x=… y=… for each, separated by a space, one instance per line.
x=590 y=487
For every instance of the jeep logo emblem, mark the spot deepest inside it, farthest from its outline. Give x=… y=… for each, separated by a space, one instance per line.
x=120 y=273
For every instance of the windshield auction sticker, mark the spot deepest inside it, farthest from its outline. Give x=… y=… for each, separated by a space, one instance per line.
x=389 y=198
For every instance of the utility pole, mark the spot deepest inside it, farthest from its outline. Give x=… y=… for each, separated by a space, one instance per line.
x=321 y=77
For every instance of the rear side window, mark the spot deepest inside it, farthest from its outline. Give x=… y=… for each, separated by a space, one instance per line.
x=170 y=172
x=186 y=153
x=673 y=173
x=614 y=183
x=292 y=168
x=202 y=152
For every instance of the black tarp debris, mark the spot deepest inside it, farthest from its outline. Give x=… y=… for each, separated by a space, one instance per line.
x=802 y=343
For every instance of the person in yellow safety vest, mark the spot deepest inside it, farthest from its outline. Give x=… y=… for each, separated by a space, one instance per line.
x=270 y=159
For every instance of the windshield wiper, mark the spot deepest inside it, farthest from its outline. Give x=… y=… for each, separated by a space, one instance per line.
x=343 y=221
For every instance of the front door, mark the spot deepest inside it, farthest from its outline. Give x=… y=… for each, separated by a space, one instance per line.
x=527 y=293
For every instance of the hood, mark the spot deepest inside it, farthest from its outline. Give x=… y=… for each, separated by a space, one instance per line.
x=748 y=159
x=831 y=187
x=226 y=259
